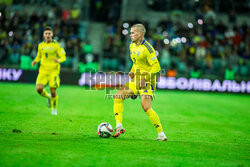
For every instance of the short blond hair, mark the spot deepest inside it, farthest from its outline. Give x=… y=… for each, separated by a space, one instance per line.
x=140 y=28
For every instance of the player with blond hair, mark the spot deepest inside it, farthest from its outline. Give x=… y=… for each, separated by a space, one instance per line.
x=143 y=75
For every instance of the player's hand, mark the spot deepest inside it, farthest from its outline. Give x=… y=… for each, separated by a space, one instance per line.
x=56 y=60
x=131 y=75
x=33 y=63
x=142 y=83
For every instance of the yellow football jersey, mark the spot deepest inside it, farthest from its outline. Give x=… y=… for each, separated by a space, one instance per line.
x=145 y=61
x=47 y=53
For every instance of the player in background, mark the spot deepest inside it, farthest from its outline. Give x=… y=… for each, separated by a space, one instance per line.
x=51 y=55
x=143 y=74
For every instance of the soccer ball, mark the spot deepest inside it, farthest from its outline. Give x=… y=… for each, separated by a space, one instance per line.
x=104 y=130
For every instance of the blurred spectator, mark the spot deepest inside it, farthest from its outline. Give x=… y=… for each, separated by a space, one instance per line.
x=195 y=72
x=229 y=73
x=66 y=14
x=75 y=12
x=198 y=14
x=210 y=15
x=87 y=48
x=105 y=10
x=232 y=17
x=165 y=58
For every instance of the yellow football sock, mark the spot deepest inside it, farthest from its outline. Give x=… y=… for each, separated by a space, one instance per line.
x=118 y=110
x=45 y=94
x=153 y=117
x=54 y=101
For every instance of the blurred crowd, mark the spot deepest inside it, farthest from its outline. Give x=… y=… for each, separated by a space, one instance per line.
x=107 y=11
x=203 y=44
x=22 y=31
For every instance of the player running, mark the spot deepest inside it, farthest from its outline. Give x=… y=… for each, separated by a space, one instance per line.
x=51 y=55
x=143 y=74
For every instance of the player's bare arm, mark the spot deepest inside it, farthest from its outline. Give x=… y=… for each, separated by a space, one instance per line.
x=131 y=74
x=33 y=63
x=57 y=61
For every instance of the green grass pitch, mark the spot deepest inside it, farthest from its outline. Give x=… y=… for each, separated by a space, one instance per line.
x=203 y=129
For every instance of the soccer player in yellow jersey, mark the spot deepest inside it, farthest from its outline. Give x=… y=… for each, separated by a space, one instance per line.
x=51 y=55
x=143 y=74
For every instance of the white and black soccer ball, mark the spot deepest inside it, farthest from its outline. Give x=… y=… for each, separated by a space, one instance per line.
x=104 y=130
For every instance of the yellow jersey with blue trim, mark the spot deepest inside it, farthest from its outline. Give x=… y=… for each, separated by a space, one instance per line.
x=145 y=62
x=47 y=53
x=144 y=58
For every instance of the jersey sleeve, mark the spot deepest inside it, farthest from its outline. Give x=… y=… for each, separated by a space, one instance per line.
x=39 y=54
x=151 y=57
x=61 y=54
x=154 y=63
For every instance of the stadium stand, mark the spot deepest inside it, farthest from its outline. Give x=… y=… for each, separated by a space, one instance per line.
x=186 y=36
